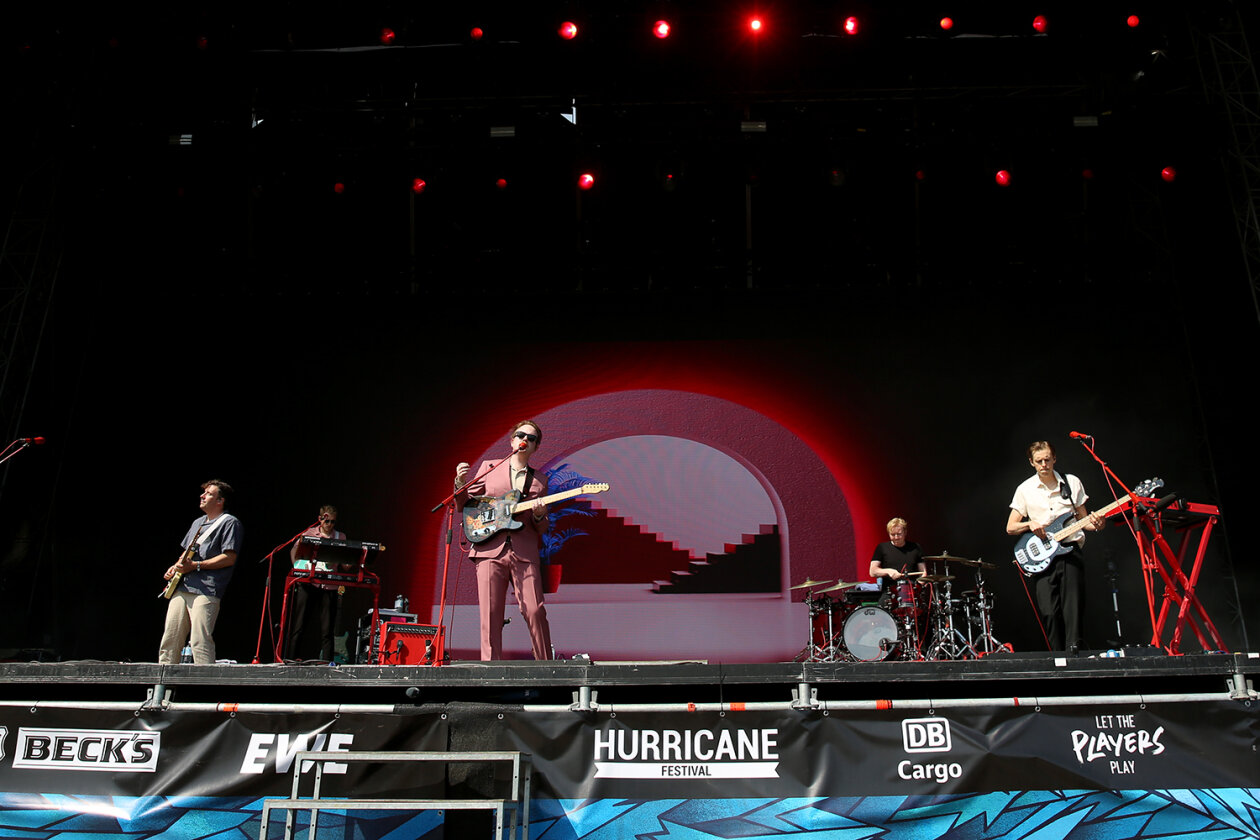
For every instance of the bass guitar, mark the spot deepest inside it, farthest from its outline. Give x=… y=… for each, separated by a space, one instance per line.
x=485 y=516
x=189 y=554
x=1033 y=555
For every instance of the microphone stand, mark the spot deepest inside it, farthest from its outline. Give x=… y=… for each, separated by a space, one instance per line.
x=439 y=645
x=8 y=452
x=276 y=656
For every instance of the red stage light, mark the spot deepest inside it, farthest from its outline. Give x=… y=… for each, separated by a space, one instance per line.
x=1133 y=21
x=851 y=25
x=947 y=23
x=339 y=188
x=1168 y=173
x=920 y=175
x=1003 y=178
x=568 y=30
x=661 y=29
x=1040 y=23
x=1087 y=174
x=418 y=185
x=755 y=24
x=476 y=33
x=501 y=183
x=387 y=36
x=203 y=43
x=586 y=180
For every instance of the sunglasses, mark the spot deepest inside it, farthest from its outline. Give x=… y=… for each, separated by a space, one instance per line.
x=526 y=436
x=329 y=520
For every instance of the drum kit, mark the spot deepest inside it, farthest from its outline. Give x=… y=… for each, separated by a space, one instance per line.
x=917 y=618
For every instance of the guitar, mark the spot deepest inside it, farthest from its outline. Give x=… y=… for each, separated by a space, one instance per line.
x=1034 y=556
x=485 y=516
x=189 y=554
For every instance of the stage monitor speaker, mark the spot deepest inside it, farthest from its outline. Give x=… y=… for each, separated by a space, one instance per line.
x=407 y=643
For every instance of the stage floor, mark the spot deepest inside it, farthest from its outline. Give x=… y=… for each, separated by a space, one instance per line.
x=1140 y=671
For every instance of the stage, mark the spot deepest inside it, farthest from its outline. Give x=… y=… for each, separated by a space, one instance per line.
x=522 y=682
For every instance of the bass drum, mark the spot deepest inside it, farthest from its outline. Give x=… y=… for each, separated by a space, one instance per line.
x=871 y=634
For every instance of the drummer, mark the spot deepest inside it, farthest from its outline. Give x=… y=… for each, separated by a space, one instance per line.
x=893 y=559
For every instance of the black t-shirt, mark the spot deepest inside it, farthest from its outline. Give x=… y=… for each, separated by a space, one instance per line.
x=905 y=559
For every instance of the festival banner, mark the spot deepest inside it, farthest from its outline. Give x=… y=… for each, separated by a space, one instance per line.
x=1159 y=770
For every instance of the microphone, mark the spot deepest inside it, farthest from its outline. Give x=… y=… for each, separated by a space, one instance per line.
x=37 y=441
x=522 y=446
x=1079 y=436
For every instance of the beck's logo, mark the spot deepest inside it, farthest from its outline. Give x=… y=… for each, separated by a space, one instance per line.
x=925 y=735
x=86 y=749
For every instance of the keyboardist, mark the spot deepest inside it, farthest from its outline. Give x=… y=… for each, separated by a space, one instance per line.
x=313 y=610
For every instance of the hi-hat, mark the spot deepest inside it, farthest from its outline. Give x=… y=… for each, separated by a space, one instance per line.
x=811 y=582
x=936 y=578
x=841 y=585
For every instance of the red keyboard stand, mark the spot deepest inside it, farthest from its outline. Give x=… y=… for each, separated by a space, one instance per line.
x=1193 y=523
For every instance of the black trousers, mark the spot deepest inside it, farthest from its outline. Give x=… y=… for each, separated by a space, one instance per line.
x=1060 y=595
x=312 y=617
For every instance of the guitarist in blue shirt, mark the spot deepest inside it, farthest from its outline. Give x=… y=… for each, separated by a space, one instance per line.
x=1059 y=589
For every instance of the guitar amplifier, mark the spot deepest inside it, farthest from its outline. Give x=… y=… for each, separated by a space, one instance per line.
x=408 y=644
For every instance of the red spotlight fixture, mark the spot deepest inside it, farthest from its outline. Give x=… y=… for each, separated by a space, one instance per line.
x=1087 y=174
x=947 y=23
x=388 y=36
x=755 y=24
x=476 y=33
x=920 y=175
x=1133 y=21
x=852 y=25
x=568 y=30
x=501 y=183
x=1168 y=173
x=418 y=185
x=1003 y=178
x=586 y=180
x=1041 y=24
x=661 y=29
x=203 y=43
x=339 y=188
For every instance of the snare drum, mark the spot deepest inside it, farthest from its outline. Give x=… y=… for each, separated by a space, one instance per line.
x=871 y=634
x=910 y=599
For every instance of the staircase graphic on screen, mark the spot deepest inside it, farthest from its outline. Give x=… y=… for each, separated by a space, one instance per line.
x=614 y=549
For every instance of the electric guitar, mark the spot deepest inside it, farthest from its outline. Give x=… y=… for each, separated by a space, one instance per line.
x=189 y=554
x=485 y=516
x=1034 y=556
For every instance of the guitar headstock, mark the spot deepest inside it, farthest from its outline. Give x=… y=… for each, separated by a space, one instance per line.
x=594 y=488
x=1147 y=488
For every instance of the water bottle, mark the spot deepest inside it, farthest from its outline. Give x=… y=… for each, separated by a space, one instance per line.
x=185 y=656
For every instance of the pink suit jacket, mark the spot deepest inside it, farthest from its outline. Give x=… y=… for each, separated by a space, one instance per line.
x=525 y=541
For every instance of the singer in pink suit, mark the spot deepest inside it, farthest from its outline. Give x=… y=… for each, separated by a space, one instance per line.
x=510 y=554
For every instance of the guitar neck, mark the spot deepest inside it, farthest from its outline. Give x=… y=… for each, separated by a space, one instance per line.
x=1081 y=523
x=546 y=500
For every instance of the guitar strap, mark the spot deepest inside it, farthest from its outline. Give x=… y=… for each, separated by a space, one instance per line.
x=205 y=535
x=1065 y=493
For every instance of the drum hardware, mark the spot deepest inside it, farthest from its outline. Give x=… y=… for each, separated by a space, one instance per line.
x=810 y=583
x=839 y=586
x=936 y=578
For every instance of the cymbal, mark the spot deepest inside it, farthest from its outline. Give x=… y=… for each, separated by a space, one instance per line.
x=841 y=585
x=810 y=582
x=935 y=578
x=948 y=558
x=977 y=564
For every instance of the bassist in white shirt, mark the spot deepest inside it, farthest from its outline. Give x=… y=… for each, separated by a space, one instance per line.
x=1060 y=588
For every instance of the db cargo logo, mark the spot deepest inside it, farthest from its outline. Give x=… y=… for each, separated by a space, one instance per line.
x=678 y=754
x=86 y=749
x=925 y=735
